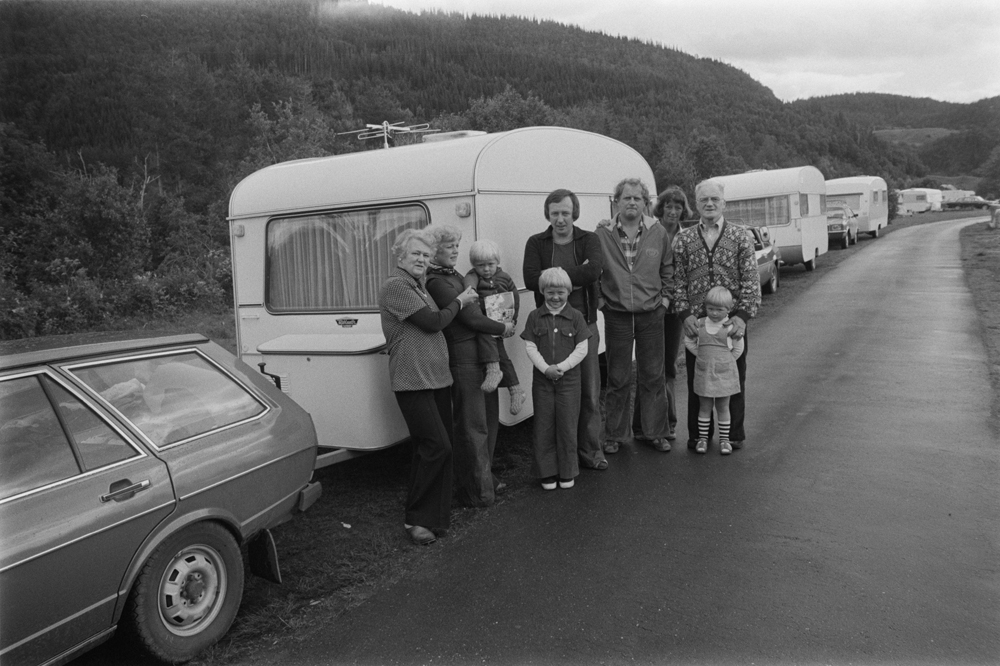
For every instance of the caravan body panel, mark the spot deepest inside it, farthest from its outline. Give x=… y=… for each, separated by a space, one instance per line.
x=868 y=196
x=789 y=202
x=318 y=330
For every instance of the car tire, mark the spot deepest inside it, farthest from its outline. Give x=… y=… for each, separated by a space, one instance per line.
x=846 y=242
x=771 y=285
x=202 y=561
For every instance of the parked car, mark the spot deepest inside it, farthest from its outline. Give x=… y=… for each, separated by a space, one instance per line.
x=131 y=474
x=971 y=202
x=768 y=256
x=841 y=225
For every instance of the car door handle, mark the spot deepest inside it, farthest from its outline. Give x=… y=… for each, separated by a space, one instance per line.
x=123 y=490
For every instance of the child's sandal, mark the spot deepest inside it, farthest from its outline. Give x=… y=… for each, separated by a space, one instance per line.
x=725 y=447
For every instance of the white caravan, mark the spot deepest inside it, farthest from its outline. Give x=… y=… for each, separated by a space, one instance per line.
x=868 y=196
x=311 y=245
x=919 y=200
x=791 y=203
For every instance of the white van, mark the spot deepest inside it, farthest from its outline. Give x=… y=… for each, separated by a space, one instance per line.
x=311 y=246
x=868 y=196
x=919 y=200
x=789 y=202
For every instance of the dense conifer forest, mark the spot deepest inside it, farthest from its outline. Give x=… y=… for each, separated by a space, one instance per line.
x=125 y=124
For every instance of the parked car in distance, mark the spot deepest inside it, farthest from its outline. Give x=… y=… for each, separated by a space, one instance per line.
x=768 y=256
x=132 y=471
x=972 y=202
x=841 y=225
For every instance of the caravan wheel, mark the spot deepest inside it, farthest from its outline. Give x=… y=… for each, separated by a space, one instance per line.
x=875 y=233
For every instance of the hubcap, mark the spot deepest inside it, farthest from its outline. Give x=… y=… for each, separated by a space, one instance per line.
x=192 y=589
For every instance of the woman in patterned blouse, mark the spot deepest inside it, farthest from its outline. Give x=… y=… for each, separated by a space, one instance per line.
x=421 y=380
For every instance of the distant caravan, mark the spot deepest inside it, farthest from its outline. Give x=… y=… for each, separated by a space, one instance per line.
x=919 y=200
x=868 y=196
x=311 y=246
x=789 y=202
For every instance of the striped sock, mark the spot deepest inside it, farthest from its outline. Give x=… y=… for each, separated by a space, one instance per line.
x=723 y=431
x=703 y=426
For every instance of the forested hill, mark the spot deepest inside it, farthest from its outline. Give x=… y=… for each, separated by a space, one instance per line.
x=970 y=141
x=171 y=85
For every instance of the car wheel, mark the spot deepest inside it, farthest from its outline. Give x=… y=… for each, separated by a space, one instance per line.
x=846 y=242
x=187 y=593
x=771 y=285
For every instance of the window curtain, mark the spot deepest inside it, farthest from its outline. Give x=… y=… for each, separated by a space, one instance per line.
x=335 y=261
x=765 y=212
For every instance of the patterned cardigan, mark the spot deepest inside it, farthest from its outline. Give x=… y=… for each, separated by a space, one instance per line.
x=731 y=264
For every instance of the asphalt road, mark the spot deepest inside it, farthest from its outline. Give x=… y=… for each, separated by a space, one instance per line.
x=861 y=523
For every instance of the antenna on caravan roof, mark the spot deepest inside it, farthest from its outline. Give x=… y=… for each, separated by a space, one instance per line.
x=387 y=131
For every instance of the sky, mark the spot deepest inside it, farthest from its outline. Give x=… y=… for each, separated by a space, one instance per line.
x=948 y=50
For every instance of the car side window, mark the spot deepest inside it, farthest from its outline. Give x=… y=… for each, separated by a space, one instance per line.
x=98 y=444
x=34 y=451
x=171 y=397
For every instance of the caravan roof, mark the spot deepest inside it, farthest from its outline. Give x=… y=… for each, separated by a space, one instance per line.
x=755 y=184
x=853 y=184
x=516 y=161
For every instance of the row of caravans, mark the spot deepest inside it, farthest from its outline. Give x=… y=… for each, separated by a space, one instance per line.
x=311 y=245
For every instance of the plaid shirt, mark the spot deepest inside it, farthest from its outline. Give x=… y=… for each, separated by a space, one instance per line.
x=629 y=247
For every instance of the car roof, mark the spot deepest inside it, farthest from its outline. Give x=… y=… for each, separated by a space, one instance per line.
x=59 y=348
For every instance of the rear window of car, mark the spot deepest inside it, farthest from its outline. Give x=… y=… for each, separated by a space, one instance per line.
x=172 y=397
x=48 y=435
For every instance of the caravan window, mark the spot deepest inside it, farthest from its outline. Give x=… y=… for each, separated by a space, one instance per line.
x=764 y=212
x=803 y=204
x=334 y=261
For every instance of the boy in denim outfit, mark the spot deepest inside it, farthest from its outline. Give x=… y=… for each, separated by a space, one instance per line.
x=555 y=338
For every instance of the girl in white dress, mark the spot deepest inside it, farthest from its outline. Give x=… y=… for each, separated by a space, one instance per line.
x=715 y=375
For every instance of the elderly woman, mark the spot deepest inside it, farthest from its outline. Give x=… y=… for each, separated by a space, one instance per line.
x=476 y=413
x=674 y=213
x=418 y=370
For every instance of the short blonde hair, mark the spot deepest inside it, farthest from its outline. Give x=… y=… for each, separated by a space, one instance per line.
x=554 y=277
x=444 y=233
x=484 y=250
x=720 y=297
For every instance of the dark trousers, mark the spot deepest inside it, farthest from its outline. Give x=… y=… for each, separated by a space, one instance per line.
x=476 y=424
x=428 y=417
x=737 y=403
x=673 y=333
x=642 y=331
x=588 y=431
x=557 y=414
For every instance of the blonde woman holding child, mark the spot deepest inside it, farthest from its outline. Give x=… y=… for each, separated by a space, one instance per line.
x=555 y=337
x=716 y=376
